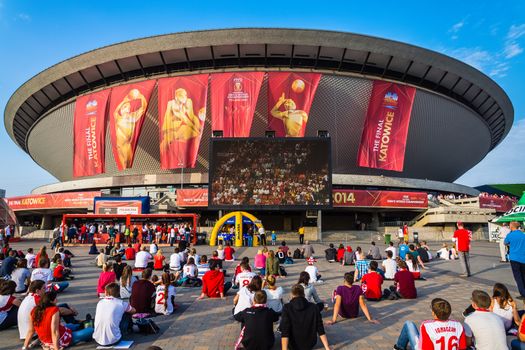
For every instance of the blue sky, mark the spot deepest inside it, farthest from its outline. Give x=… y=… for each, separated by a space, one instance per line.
x=489 y=35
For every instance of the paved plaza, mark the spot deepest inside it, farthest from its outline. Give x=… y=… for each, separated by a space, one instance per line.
x=207 y=324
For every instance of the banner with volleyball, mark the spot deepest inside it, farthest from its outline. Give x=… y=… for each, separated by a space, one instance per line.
x=89 y=135
x=128 y=105
x=233 y=100
x=384 y=136
x=290 y=97
x=182 y=113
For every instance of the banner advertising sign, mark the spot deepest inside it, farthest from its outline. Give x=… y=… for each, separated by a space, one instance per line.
x=385 y=132
x=128 y=104
x=182 y=112
x=197 y=197
x=121 y=205
x=89 y=135
x=53 y=201
x=233 y=100
x=379 y=199
x=501 y=205
x=290 y=97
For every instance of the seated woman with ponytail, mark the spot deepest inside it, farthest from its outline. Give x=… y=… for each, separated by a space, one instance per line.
x=45 y=320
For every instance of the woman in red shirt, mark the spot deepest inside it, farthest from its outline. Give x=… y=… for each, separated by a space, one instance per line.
x=45 y=320
x=41 y=254
x=158 y=260
x=228 y=253
x=106 y=277
x=340 y=252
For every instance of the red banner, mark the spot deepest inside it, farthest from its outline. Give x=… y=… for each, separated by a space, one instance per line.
x=89 y=134
x=53 y=201
x=197 y=197
x=499 y=204
x=233 y=100
x=379 y=199
x=123 y=207
x=385 y=132
x=128 y=106
x=182 y=112
x=290 y=97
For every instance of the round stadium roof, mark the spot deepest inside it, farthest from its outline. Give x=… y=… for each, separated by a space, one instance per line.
x=313 y=50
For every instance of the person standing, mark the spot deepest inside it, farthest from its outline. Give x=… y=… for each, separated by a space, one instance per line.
x=301 y=235
x=405 y=233
x=301 y=322
x=400 y=235
x=262 y=236
x=504 y=231
x=516 y=242
x=462 y=239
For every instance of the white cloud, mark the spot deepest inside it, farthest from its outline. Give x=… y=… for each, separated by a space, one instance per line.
x=512 y=49
x=504 y=164
x=456 y=27
x=516 y=31
x=475 y=56
x=500 y=70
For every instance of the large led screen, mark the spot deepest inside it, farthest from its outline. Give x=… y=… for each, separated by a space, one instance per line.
x=270 y=173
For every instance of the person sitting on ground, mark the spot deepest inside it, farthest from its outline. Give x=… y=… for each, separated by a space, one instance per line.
x=486 y=328
x=274 y=294
x=220 y=252
x=44 y=273
x=340 y=253
x=435 y=333
x=202 y=266
x=118 y=267
x=284 y=247
x=415 y=254
x=143 y=293
x=9 y=264
x=213 y=285
x=106 y=277
x=307 y=250
x=423 y=253
x=413 y=265
x=358 y=255
x=244 y=278
x=374 y=253
x=504 y=306
x=280 y=255
x=190 y=273
x=126 y=282
x=93 y=249
x=45 y=320
x=143 y=259
x=348 y=257
x=258 y=322
x=158 y=260
x=30 y=257
x=310 y=293
x=228 y=252
x=193 y=254
x=331 y=253
x=312 y=270
x=215 y=256
x=153 y=248
x=42 y=254
x=301 y=322
x=392 y=249
x=244 y=297
x=238 y=268
x=60 y=272
x=101 y=259
x=519 y=343
x=348 y=299
x=35 y=291
x=112 y=317
x=260 y=262
x=453 y=253
x=361 y=268
x=165 y=296
x=404 y=286
x=175 y=260
x=371 y=283
x=21 y=276
x=273 y=267
x=389 y=265
x=403 y=250
x=129 y=253
x=443 y=253
x=9 y=304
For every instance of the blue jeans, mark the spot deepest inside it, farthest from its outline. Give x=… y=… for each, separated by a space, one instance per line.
x=60 y=286
x=85 y=335
x=516 y=344
x=409 y=334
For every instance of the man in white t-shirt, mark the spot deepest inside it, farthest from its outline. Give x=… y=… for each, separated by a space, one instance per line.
x=143 y=259
x=35 y=291
x=244 y=277
x=175 y=260
x=112 y=318
x=392 y=249
x=30 y=257
x=486 y=328
x=389 y=265
x=312 y=270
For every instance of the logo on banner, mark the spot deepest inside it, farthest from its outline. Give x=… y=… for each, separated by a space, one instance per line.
x=91 y=107
x=390 y=100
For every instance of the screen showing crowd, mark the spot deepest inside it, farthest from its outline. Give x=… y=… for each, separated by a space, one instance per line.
x=270 y=172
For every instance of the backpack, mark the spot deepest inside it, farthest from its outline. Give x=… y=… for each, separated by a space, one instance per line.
x=283 y=271
x=147 y=326
x=297 y=253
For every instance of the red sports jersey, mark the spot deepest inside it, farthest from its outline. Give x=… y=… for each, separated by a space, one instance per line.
x=463 y=238
x=442 y=335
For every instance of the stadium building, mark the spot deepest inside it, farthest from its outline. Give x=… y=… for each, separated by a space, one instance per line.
x=458 y=115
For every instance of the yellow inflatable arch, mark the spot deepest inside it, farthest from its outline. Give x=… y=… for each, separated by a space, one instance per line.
x=238 y=215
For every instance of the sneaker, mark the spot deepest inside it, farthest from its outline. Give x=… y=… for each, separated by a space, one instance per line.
x=397 y=348
x=35 y=342
x=520 y=297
